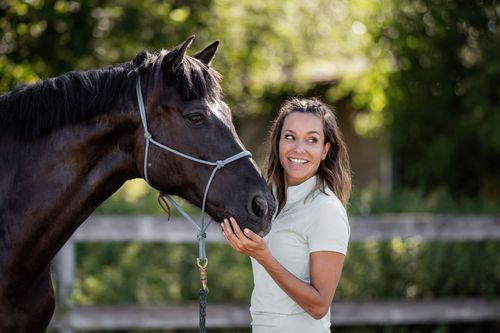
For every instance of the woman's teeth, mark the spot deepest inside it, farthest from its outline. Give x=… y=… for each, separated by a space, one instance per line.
x=296 y=160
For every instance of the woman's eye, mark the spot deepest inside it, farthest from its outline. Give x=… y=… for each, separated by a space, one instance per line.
x=313 y=140
x=288 y=137
x=195 y=119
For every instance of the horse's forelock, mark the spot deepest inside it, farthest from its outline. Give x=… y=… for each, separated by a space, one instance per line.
x=145 y=61
x=203 y=82
x=192 y=80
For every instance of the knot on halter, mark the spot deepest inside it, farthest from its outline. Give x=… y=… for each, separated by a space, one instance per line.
x=147 y=135
x=201 y=235
x=220 y=164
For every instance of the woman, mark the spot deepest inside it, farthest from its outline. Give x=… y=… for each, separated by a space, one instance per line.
x=297 y=266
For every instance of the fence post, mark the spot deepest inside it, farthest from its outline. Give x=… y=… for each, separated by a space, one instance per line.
x=65 y=275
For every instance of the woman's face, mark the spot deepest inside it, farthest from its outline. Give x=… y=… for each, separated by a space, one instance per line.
x=302 y=146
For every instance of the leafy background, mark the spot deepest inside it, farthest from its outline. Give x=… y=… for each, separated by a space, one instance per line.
x=421 y=76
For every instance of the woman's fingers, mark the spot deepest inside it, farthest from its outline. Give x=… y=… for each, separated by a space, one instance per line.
x=231 y=228
x=236 y=229
x=230 y=236
x=226 y=229
x=251 y=235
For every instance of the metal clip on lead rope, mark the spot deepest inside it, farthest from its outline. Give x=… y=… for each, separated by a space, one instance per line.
x=202 y=268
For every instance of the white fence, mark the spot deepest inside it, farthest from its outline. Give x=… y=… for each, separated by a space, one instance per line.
x=185 y=316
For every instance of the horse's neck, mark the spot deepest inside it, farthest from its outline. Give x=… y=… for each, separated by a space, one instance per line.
x=55 y=184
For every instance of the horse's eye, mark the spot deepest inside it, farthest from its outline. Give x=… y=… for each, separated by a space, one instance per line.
x=195 y=118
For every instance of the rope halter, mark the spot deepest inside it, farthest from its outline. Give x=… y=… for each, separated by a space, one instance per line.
x=201 y=235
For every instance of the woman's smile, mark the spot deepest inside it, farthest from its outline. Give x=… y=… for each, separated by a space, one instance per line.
x=297 y=160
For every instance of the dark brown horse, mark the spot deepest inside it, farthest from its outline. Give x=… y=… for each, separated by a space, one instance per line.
x=68 y=143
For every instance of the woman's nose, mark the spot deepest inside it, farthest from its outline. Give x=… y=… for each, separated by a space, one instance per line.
x=299 y=147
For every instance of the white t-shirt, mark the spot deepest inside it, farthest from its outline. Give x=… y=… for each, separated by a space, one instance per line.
x=307 y=223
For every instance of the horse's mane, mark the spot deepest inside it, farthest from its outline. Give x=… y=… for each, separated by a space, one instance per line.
x=32 y=110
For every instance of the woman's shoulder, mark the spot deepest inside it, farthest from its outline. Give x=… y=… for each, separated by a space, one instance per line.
x=328 y=228
x=326 y=201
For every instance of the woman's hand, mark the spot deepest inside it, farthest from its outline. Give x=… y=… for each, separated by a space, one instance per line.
x=246 y=241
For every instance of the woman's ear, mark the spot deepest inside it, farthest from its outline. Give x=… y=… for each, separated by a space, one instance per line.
x=326 y=148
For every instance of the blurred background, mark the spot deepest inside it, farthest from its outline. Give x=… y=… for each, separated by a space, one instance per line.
x=415 y=84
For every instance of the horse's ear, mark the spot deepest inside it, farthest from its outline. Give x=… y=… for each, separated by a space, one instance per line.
x=173 y=59
x=207 y=54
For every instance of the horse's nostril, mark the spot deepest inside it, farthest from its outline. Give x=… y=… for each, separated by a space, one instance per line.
x=259 y=206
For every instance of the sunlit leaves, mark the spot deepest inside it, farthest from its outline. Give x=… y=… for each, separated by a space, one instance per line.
x=180 y=14
x=62 y=6
x=284 y=44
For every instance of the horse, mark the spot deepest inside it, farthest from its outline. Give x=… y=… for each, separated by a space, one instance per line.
x=68 y=143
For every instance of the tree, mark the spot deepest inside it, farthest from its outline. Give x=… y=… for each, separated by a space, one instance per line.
x=266 y=46
x=443 y=99
x=47 y=38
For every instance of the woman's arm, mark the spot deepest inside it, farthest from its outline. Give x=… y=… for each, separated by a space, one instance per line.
x=325 y=270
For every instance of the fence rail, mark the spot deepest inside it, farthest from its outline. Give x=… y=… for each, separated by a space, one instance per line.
x=383 y=227
x=184 y=316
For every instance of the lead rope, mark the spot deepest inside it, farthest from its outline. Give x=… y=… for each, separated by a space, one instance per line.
x=202 y=260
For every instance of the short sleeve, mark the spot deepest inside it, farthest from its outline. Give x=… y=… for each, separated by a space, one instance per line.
x=329 y=227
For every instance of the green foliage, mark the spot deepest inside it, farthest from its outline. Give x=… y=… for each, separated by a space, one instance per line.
x=425 y=71
x=411 y=269
x=267 y=47
x=442 y=95
x=273 y=47
x=155 y=273
x=366 y=201
x=447 y=101
x=47 y=38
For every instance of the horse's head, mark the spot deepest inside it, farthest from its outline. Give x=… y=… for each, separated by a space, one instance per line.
x=185 y=111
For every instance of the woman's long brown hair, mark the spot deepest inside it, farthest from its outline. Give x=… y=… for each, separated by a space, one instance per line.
x=334 y=171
